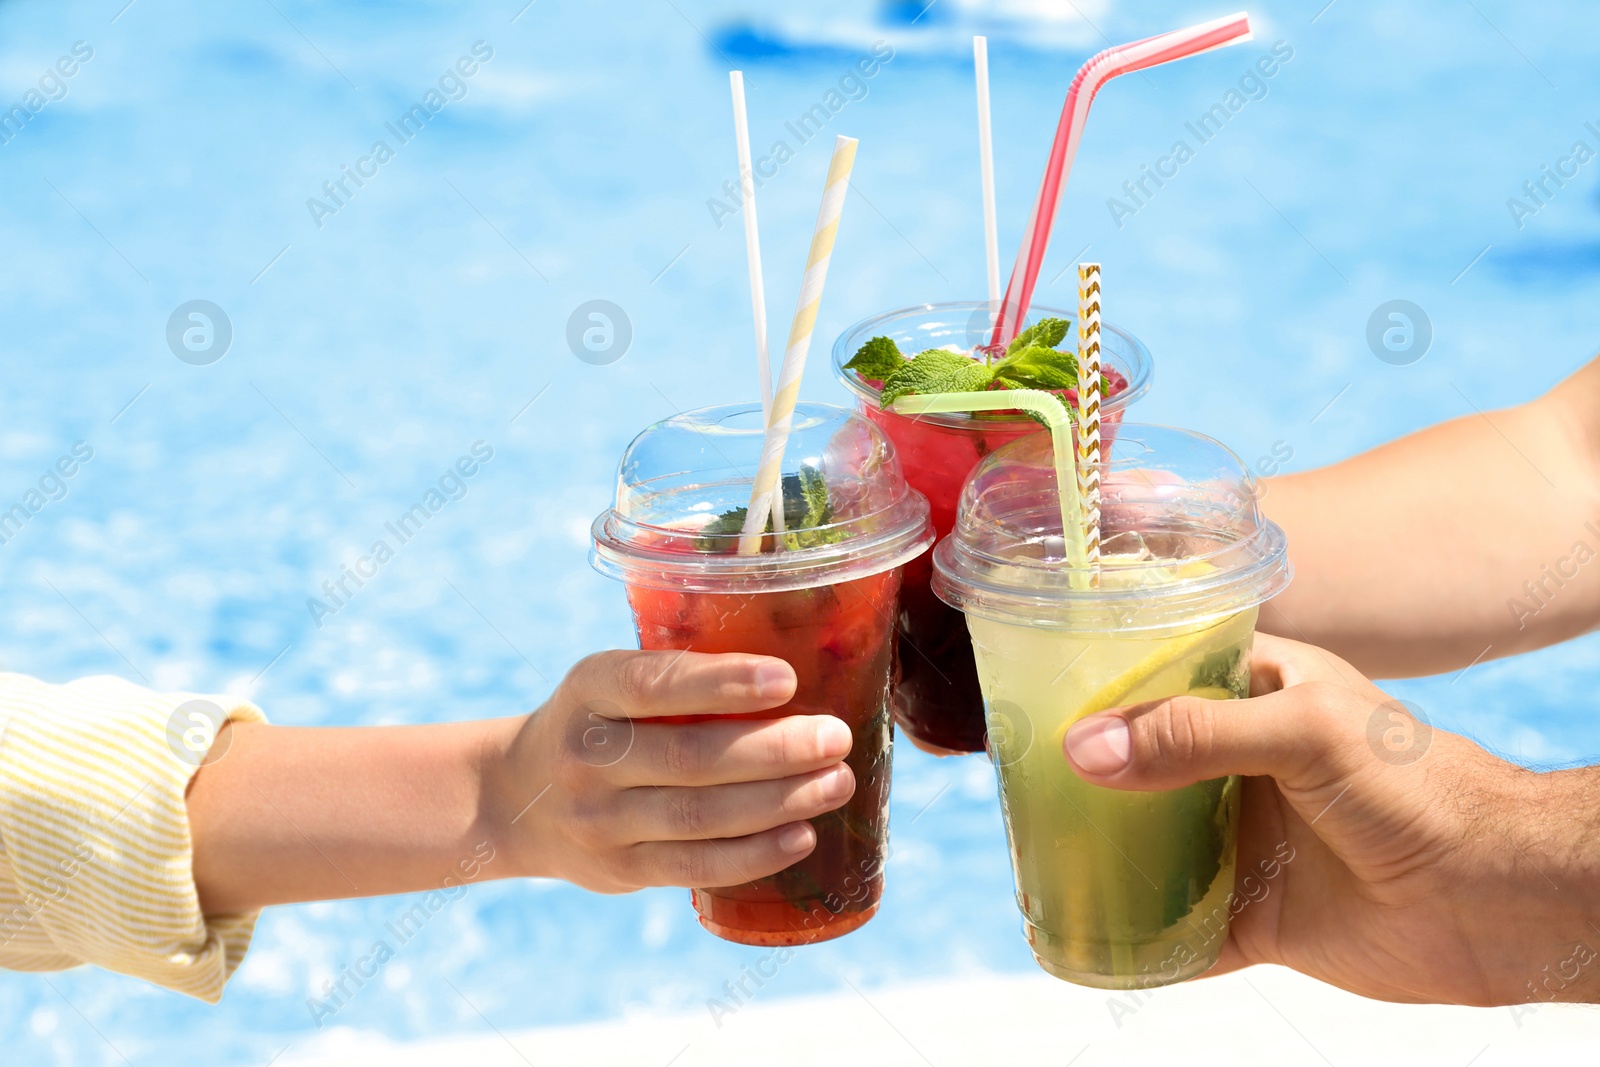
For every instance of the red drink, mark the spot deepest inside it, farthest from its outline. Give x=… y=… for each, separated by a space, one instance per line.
x=937 y=700
x=820 y=595
x=837 y=640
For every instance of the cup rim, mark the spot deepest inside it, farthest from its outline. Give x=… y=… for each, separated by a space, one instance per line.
x=620 y=544
x=1137 y=367
x=1251 y=570
x=1186 y=605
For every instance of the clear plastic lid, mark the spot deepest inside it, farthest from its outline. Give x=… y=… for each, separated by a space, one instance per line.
x=684 y=483
x=964 y=324
x=1183 y=539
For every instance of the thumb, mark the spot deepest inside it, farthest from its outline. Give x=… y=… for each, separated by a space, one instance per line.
x=1296 y=735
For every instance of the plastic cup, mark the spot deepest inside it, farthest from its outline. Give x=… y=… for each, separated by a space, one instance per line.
x=1119 y=890
x=821 y=596
x=937 y=700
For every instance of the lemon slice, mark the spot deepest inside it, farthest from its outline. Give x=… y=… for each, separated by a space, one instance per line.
x=1165 y=655
x=1168 y=653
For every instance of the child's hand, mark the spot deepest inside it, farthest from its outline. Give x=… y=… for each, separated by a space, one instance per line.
x=590 y=790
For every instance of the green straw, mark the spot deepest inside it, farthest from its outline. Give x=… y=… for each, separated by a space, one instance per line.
x=1048 y=407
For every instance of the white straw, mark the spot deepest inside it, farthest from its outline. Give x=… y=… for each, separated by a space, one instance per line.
x=752 y=252
x=991 y=234
x=786 y=394
x=752 y=239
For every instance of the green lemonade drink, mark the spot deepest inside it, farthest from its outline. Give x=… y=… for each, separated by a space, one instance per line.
x=1120 y=890
x=1111 y=884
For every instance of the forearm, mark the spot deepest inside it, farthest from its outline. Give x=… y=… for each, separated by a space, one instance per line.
x=1467 y=540
x=293 y=814
x=1546 y=918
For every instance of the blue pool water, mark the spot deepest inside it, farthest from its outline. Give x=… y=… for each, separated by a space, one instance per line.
x=378 y=336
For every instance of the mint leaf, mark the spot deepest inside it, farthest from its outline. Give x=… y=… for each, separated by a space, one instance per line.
x=814 y=491
x=1197 y=860
x=1040 y=368
x=805 y=507
x=1223 y=670
x=727 y=524
x=877 y=359
x=937 y=370
x=935 y=361
x=1046 y=333
x=815 y=511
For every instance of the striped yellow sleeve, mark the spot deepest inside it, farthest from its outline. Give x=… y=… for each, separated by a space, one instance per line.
x=96 y=864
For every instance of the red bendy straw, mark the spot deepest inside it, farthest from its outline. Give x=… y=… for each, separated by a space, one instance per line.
x=1150 y=52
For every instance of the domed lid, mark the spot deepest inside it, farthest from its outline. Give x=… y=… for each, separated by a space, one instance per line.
x=1183 y=539
x=684 y=483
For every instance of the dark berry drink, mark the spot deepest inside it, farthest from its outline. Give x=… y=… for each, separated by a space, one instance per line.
x=936 y=696
x=937 y=701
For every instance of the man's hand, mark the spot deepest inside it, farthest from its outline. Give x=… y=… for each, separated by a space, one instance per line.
x=1379 y=855
x=592 y=791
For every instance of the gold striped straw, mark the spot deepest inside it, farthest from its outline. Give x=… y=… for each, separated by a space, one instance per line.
x=1090 y=388
x=786 y=391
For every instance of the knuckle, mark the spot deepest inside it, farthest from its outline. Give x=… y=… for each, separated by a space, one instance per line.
x=630 y=867
x=591 y=824
x=689 y=866
x=1185 y=732
x=1321 y=696
x=785 y=742
x=691 y=810
x=1326 y=707
x=583 y=674
x=1332 y=738
x=681 y=752
x=567 y=771
x=634 y=677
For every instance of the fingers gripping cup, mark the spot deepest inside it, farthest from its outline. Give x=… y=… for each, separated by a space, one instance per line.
x=1120 y=890
x=937 y=699
x=820 y=594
